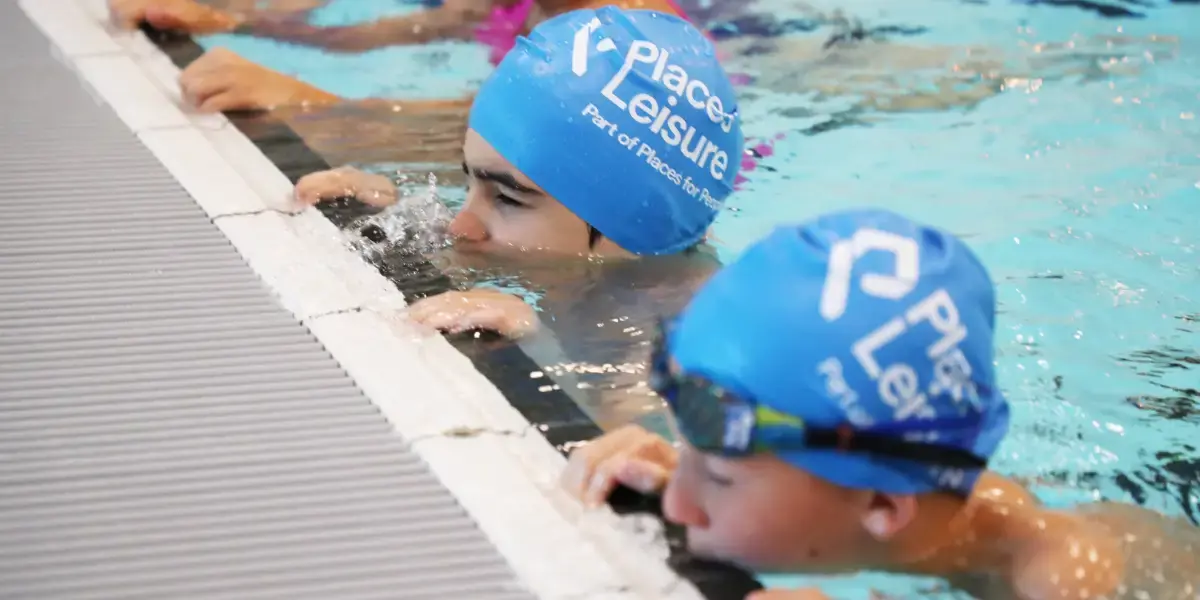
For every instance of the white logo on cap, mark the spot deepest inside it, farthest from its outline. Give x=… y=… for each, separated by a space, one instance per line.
x=844 y=253
x=897 y=381
x=659 y=128
x=579 y=51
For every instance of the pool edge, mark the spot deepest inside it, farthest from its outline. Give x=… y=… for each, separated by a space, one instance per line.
x=352 y=311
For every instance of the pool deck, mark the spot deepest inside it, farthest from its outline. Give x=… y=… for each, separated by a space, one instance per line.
x=205 y=394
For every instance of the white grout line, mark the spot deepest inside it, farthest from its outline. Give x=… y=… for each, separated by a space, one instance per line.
x=500 y=469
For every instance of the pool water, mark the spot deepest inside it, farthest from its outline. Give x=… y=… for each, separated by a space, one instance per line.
x=1079 y=186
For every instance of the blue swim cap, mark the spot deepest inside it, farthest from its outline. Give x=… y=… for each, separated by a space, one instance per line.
x=624 y=116
x=859 y=318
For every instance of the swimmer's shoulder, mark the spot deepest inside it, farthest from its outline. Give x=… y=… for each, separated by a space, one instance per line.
x=994 y=488
x=1069 y=560
x=1160 y=552
x=1000 y=505
x=1098 y=551
x=1051 y=553
x=1115 y=551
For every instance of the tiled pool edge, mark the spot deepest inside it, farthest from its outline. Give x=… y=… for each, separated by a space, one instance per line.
x=557 y=549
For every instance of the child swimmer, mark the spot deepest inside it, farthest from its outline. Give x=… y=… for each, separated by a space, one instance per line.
x=609 y=133
x=834 y=391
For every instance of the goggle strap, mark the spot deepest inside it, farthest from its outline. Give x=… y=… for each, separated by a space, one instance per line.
x=886 y=446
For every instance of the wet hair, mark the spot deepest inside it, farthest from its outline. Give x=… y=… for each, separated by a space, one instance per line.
x=594 y=236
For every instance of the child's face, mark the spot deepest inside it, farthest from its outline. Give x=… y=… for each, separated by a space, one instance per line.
x=506 y=211
x=766 y=515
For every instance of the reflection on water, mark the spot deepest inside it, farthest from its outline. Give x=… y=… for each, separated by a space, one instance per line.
x=604 y=318
x=856 y=76
x=416 y=133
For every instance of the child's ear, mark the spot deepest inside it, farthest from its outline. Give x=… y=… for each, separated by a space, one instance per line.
x=887 y=514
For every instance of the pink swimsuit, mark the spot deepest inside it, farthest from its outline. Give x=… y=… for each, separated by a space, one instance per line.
x=503 y=26
x=505 y=23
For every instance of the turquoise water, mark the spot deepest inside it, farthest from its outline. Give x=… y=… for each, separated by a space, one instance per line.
x=1078 y=184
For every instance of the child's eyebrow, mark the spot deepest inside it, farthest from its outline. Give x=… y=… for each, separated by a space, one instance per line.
x=505 y=179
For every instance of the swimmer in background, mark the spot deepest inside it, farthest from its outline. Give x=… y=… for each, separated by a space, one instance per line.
x=447 y=20
x=834 y=393
x=562 y=171
x=877 y=76
x=851 y=63
x=222 y=81
x=344 y=130
x=207 y=16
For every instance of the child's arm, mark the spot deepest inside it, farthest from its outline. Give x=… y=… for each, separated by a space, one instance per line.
x=1057 y=554
x=187 y=16
x=223 y=81
x=453 y=19
x=1084 y=567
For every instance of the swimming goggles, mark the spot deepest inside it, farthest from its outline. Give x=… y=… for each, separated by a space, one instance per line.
x=717 y=421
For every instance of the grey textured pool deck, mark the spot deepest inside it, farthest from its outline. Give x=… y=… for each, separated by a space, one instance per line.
x=167 y=430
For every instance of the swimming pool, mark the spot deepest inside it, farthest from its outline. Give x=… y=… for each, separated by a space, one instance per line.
x=1077 y=182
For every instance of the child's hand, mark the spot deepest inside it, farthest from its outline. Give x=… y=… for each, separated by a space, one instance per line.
x=186 y=16
x=630 y=456
x=492 y=310
x=220 y=80
x=368 y=188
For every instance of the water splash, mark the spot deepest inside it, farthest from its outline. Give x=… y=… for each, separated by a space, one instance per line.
x=418 y=222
